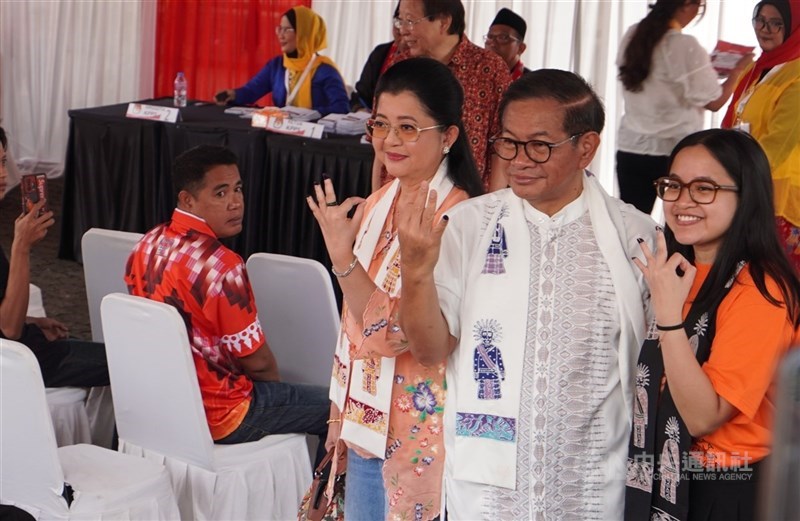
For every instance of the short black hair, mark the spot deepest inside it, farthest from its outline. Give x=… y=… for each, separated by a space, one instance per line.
x=3 y=139
x=452 y=8
x=189 y=169
x=584 y=111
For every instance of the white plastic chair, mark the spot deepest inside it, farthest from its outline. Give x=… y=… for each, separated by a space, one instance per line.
x=33 y=472
x=297 y=310
x=105 y=255
x=66 y=404
x=160 y=416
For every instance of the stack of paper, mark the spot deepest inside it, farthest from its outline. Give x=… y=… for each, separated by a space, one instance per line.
x=351 y=124
x=301 y=114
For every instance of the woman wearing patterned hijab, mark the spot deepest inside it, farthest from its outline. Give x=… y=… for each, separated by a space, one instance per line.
x=300 y=77
x=765 y=104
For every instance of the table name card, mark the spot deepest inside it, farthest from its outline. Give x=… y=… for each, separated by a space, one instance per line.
x=285 y=125
x=152 y=112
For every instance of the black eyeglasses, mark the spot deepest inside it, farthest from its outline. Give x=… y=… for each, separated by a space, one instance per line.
x=773 y=26
x=536 y=150
x=701 y=191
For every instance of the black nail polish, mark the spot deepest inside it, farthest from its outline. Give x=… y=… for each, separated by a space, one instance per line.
x=639 y=240
x=325 y=176
x=659 y=228
x=445 y=217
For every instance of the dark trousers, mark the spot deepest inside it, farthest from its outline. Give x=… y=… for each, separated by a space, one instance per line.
x=635 y=174
x=725 y=496
x=68 y=362
x=282 y=408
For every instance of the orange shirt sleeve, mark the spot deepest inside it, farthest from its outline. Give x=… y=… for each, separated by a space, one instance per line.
x=231 y=306
x=752 y=335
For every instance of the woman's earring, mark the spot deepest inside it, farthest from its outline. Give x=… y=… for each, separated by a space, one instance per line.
x=446 y=150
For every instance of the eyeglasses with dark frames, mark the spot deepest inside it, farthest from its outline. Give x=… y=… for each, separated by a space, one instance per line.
x=701 y=191
x=773 y=26
x=408 y=24
x=537 y=151
x=406 y=132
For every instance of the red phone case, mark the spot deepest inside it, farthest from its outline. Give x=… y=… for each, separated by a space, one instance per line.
x=33 y=188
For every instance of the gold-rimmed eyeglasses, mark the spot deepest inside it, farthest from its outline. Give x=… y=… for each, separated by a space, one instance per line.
x=537 y=151
x=701 y=191
x=406 y=132
x=408 y=24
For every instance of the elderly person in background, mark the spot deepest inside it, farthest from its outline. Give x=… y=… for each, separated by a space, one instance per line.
x=668 y=83
x=506 y=37
x=435 y=28
x=766 y=104
x=389 y=407
x=299 y=77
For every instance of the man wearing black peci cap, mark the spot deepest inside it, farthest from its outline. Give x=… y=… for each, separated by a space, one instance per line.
x=506 y=35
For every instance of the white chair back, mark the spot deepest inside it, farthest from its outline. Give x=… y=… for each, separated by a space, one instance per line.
x=105 y=255
x=298 y=312
x=30 y=473
x=156 y=394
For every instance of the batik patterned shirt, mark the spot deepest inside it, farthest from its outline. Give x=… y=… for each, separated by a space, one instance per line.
x=182 y=263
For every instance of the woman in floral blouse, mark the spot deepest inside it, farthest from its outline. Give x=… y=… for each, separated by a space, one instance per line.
x=386 y=407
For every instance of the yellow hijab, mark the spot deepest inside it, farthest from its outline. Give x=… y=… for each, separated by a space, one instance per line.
x=311 y=37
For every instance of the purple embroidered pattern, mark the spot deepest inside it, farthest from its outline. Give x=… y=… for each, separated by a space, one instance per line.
x=424 y=400
x=475 y=425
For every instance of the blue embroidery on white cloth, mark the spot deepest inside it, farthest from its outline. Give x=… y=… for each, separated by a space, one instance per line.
x=476 y=425
x=498 y=248
x=487 y=362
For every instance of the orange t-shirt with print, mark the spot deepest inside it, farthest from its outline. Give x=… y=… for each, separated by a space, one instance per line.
x=182 y=263
x=752 y=335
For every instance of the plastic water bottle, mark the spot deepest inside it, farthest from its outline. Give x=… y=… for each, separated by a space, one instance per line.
x=180 y=90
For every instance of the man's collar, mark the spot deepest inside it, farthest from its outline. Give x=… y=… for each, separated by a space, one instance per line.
x=184 y=221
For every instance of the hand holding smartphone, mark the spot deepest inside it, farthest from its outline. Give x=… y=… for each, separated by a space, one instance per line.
x=33 y=189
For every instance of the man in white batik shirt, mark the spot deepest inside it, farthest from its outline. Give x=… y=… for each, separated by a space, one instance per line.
x=540 y=313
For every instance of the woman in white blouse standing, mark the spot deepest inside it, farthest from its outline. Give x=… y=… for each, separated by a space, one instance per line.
x=667 y=81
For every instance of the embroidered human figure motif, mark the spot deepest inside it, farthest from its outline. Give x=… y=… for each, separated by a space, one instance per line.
x=487 y=366
x=640 y=405
x=670 y=462
x=392 y=274
x=498 y=248
x=370 y=372
x=699 y=330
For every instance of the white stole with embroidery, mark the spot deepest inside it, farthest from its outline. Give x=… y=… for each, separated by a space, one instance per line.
x=367 y=426
x=496 y=302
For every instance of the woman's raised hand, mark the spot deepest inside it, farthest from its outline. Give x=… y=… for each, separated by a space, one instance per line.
x=338 y=230
x=668 y=290
x=420 y=236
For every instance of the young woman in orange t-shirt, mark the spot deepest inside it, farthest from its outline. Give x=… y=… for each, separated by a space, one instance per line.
x=727 y=307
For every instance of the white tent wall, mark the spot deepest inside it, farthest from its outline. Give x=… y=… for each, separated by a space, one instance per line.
x=56 y=56
x=62 y=55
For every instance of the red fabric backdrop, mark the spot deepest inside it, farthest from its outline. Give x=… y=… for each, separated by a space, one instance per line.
x=218 y=44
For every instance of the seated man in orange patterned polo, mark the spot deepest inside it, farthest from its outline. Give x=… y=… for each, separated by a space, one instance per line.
x=183 y=263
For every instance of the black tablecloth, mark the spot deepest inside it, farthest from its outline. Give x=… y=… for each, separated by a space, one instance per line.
x=117 y=176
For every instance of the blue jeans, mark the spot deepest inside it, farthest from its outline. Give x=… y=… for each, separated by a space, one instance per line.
x=282 y=408
x=365 y=495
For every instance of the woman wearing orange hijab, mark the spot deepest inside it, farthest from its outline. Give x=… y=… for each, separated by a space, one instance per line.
x=299 y=77
x=765 y=104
